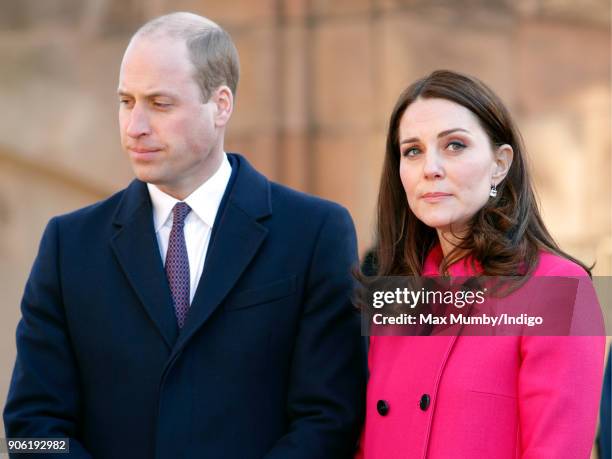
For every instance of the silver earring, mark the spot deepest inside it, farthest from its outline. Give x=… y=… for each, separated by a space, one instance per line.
x=493 y=191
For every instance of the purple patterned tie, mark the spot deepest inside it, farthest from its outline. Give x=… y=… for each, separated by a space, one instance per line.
x=177 y=263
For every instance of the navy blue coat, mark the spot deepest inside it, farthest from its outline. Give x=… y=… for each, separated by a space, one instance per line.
x=270 y=362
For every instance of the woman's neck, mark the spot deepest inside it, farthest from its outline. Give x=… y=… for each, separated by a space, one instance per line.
x=449 y=241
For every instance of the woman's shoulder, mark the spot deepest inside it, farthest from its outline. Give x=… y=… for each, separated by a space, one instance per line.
x=550 y=264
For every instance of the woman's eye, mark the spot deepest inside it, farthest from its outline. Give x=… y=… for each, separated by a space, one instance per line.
x=455 y=146
x=411 y=152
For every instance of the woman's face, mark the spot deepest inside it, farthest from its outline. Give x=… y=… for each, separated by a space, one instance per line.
x=447 y=164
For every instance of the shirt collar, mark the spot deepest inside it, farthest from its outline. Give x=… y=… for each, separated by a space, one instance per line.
x=204 y=201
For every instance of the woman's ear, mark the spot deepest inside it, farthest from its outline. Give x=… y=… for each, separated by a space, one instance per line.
x=503 y=160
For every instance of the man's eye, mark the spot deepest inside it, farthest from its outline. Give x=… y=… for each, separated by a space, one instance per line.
x=161 y=104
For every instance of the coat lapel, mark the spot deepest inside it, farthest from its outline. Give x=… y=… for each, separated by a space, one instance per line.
x=135 y=246
x=236 y=238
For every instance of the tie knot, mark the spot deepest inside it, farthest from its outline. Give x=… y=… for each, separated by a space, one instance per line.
x=179 y=213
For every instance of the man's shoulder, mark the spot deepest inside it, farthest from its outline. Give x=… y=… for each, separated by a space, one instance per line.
x=253 y=188
x=97 y=212
x=298 y=201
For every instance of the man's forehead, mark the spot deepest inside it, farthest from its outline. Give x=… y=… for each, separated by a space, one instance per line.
x=149 y=66
x=156 y=56
x=155 y=44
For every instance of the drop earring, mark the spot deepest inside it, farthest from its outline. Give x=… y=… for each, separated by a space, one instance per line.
x=493 y=191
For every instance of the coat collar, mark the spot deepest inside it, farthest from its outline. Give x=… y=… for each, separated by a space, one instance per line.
x=465 y=267
x=236 y=238
x=135 y=246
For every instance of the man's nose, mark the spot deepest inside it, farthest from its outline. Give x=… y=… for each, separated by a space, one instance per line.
x=138 y=124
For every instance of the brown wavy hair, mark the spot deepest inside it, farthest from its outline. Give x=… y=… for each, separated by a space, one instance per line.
x=504 y=236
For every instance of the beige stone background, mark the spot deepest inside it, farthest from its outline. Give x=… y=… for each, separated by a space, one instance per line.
x=319 y=79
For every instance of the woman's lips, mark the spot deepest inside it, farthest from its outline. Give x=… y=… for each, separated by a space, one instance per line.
x=435 y=196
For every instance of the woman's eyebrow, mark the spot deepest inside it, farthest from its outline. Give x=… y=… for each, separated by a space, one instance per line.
x=441 y=134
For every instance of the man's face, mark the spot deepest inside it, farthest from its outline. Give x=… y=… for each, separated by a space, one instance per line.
x=172 y=137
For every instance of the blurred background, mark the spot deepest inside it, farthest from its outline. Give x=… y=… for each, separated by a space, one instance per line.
x=319 y=79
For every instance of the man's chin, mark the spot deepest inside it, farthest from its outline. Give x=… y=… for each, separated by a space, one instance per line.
x=147 y=176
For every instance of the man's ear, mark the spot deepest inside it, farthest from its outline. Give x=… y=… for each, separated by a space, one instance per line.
x=223 y=99
x=503 y=160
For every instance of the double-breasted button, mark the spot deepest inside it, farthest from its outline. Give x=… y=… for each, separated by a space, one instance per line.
x=382 y=407
x=424 y=403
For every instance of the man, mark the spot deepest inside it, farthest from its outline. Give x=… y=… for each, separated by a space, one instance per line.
x=201 y=312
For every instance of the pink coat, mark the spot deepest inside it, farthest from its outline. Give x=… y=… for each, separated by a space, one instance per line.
x=494 y=397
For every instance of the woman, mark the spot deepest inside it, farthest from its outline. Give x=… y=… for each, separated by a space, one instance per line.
x=456 y=199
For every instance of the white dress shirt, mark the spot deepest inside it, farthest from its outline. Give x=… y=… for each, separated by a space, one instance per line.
x=204 y=203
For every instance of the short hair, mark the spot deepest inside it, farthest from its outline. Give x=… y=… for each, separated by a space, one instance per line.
x=210 y=48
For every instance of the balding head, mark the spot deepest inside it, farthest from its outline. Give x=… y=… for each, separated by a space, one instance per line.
x=180 y=25
x=210 y=48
